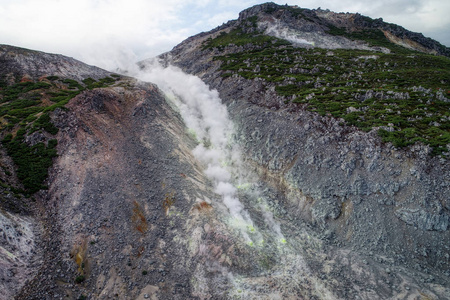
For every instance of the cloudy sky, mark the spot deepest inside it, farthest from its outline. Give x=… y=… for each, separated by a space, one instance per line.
x=103 y=32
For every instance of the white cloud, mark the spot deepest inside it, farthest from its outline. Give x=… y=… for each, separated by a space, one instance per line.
x=82 y=28
x=219 y=19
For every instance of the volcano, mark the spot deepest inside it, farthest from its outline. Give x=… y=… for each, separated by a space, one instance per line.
x=288 y=154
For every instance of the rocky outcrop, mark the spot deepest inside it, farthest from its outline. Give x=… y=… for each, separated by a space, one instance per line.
x=21 y=62
x=423 y=219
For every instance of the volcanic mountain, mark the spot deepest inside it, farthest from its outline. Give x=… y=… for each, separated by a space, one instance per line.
x=288 y=154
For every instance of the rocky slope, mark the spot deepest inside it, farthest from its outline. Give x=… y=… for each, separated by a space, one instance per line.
x=121 y=167
x=22 y=230
x=356 y=191
x=34 y=64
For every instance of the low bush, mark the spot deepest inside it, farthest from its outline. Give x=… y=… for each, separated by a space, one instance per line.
x=79 y=279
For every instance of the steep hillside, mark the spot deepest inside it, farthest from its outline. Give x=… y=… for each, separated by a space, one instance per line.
x=33 y=85
x=347 y=125
x=92 y=164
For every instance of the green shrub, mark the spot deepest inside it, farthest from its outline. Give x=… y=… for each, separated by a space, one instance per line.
x=73 y=84
x=44 y=122
x=103 y=82
x=32 y=162
x=79 y=279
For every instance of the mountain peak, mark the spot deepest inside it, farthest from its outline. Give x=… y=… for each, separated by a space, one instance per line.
x=326 y=29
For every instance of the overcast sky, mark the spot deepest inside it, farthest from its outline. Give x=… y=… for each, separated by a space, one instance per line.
x=104 y=31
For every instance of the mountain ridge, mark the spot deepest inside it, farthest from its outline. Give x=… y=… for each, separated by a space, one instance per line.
x=36 y=64
x=344 y=24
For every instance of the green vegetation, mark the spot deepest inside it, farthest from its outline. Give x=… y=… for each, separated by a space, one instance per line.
x=25 y=108
x=91 y=83
x=32 y=162
x=403 y=92
x=72 y=84
x=12 y=92
x=44 y=123
x=79 y=279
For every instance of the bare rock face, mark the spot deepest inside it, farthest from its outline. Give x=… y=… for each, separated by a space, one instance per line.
x=367 y=193
x=18 y=257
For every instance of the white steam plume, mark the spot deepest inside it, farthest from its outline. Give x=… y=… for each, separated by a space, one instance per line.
x=288 y=34
x=206 y=116
x=204 y=113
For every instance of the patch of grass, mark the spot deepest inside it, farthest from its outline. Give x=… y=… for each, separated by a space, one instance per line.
x=52 y=78
x=73 y=84
x=12 y=92
x=336 y=30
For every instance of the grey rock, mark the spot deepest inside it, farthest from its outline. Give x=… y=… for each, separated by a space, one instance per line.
x=424 y=220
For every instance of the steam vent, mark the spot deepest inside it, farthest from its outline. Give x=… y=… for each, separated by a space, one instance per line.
x=288 y=154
